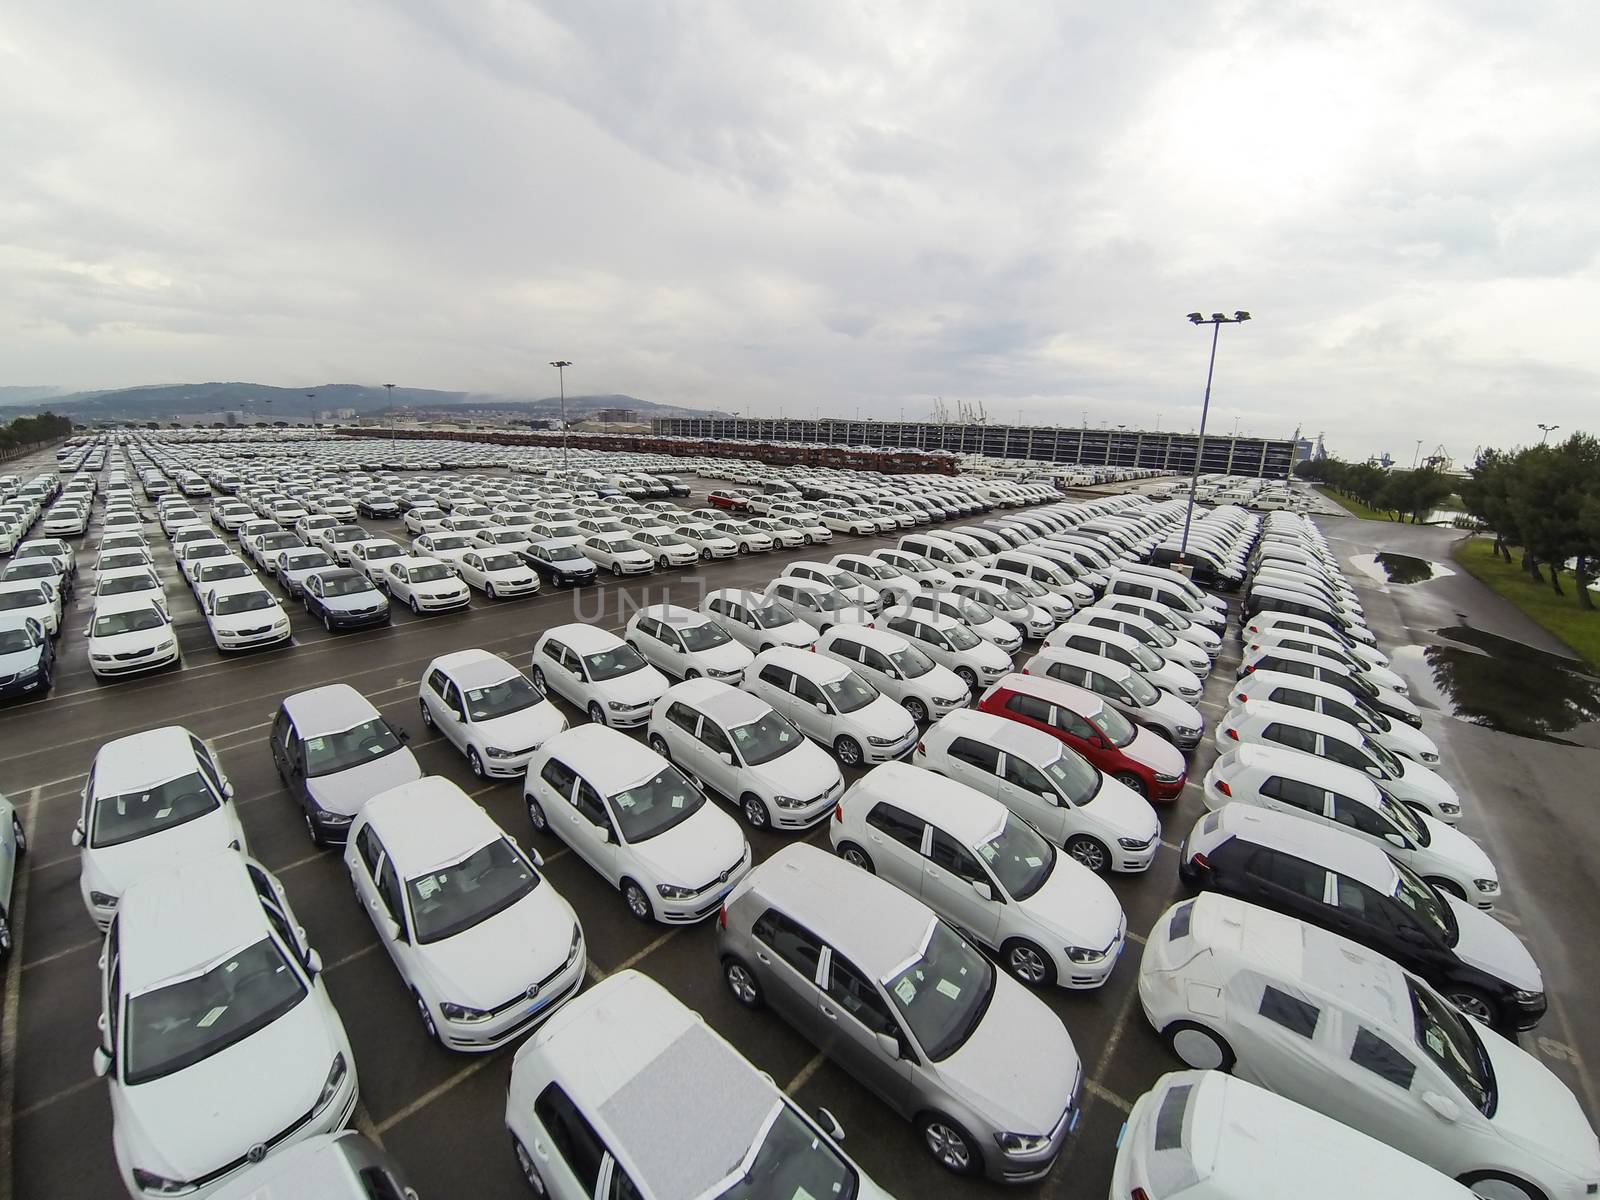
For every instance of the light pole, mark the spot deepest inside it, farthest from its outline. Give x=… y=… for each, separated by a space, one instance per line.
x=1417 y=455
x=561 y=365
x=390 y=388
x=1216 y=321
x=1548 y=430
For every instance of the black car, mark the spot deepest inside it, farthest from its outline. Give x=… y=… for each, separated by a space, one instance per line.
x=27 y=659
x=558 y=563
x=1329 y=878
x=376 y=504
x=345 y=599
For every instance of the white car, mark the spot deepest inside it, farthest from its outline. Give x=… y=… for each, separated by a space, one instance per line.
x=1267 y=620
x=1303 y=785
x=738 y=745
x=981 y=867
x=498 y=573
x=638 y=822
x=811 y=530
x=451 y=547
x=708 y=542
x=950 y=643
x=424 y=520
x=686 y=644
x=129 y=634
x=228 y=990
x=1330 y=1161
x=784 y=536
x=669 y=548
x=33 y=598
x=898 y=669
x=755 y=621
x=979 y=618
x=832 y=704
x=1130 y=652
x=745 y=536
x=1174 y=622
x=1277 y=640
x=916 y=566
x=1286 y=725
x=1333 y=700
x=483 y=942
x=598 y=672
x=839 y=520
x=817 y=604
x=1028 y=619
x=1153 y=636
x=619 y=554
x=488 y=710
x=848 y=585
x=1101 y=822
x=1125 y=689
x=424 y=584
x=154 y=800
x=145 y=583
x=1327 y=1023
x=243 y=615
x=370 y=557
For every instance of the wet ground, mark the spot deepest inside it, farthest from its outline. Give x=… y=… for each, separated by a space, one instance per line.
x=1388 y=567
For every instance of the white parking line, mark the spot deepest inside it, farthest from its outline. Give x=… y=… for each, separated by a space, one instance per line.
x=805 y=1073
x=1106 y=1094
x=432 y=1094
x=72 y=949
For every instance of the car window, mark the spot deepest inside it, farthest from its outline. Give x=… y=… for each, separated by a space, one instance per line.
x=369 y=848
x=807 y=691
x=716 y=741
x=955 y=858
x=1292 y=736
x=574 y=1138
x=1067 y=673
x=1029 y=706
x=1382 y=1059
x=587 y=801
x=976 y=754
x=1344 y=753
x=1026 y=776
x=1294 y=793
x=1071 y=723
x=684 y=717
x=851 y=651
x=898 y=824
x=1292 y=1013
x=793 y=943
x=777 y=676
x=858 y=997
x=389 y=891
x=1360 y=817
x=559 y=776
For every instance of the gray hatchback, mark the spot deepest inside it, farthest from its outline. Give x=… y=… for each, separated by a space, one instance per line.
x=907 y=1006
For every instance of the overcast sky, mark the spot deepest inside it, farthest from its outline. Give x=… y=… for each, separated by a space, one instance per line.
x=820 y=208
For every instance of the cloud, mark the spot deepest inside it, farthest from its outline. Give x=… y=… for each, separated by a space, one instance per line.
x=821 y=207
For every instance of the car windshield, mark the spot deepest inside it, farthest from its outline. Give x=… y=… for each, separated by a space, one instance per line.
x=111 y=624
x=850 y=692
x=1403 y=818
x=1171 y=618
x=238 y=602
x=830 y=601
x=386 y=550
x=450 y=541
x=563 y=553
x=610 y=664
x=918 y=563
x=912 y=663
x=345 y=585
x=22 y=598
x=1141 y=689
x=1156 y=635
x=500 y=562
x=668 y=539
x=453 y=899
x=1386 y=758
x=1147 y=658
x=508 y=696
x=772 y=615
x=944 y=993
x=655 y=806
x=961 y=638
x=1426 y=904
x=44 y=569
x=431 y=573
x=112 y=562
x=619 y=545
x=1371 y=715
x=566 y=531
x=793 y=1161
x=1075 y=776
x=765 y=739
x=1119 y=731
x=133 y=815
x=359 y=744
x=1004 y=602
x=1447 y=1037
x=183 y=1023
x=1020 y=859
x=972 y=611
x=13 y=640
x=225 y=570
x=118 y=584
x=703 y=637
x=1027 y=587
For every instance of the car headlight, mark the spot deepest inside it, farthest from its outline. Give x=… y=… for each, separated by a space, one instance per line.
x=1082 y=954
x=1429 y=758
x=577 y=942
x=1522 y=997
x=618 y=706
x=159 y=1185
x=463 y=1014
x=1134 y=843
x=671 y=891
x=102 y=900
x=1447 y=807
x=28 y=672
x=1160 y=778
x=878 y=741
x=497 y=752
x=791 y=802
x=1486 y=885
x=1188 y=732
x=331 y=1085
x=1021 y=1143
x=169 y=644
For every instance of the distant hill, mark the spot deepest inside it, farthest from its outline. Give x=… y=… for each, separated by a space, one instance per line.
x=12 y=396
x=261 y=402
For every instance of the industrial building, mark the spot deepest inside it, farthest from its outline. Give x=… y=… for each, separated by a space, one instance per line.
x=1159 y=450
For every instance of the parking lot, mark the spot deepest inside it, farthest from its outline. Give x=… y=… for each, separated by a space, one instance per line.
x=440 y=1113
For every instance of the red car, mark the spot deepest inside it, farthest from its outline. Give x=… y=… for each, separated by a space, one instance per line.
x=728 y=500
x=1144 y=761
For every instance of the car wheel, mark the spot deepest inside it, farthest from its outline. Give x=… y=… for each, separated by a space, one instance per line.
x=857 y=857
x=741 y=981
x=848 y=751
x=1130 y=780
x=1091 y=852
x=755 y=812
x=705 y=555
x=327 y=621
x=659 y=745
x=1490 y=1185
x=597 y=714
x=952 y=1147
x=616 y=569
x=917 y=709
x=1029 y=964
x=808 y=539
x=529 y=1171
x=475 y=762
x=427 y=717
x=661 y=563
x=691 y=673
x=536 y=816
x=427 y=1017
x=538 y=681
x=637 y=900
x=744 y=547
x=969 y=677
x=488 y=590
x=415 y=607
x=1198 y=1046
x=5 y=936
x=19 y=835
x=1449 y=886
x=1474 y=1002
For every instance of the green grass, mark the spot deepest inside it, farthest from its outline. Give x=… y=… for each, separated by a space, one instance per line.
x=1559 y=615
x=1354 y=507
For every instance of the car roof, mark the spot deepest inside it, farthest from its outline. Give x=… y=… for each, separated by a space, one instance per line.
x=142 y=760
x=122 y=602
x=925 y=616
x=963 y=812
x=584 y=639
x=813 y=586
x=474 y=668
x=1336 y=777
x=675 y=615
x=428 y=822
x=610 y=760
x=724 y=703
x=1324 y=845
x=1303 y=718
x=623 y=1051
x=884 y=640
x=816 y=667
x=1031 y=745
x=184 y=918
x=828 y=895
x=1082 y=658
x=331 y=708
x=1085 y=704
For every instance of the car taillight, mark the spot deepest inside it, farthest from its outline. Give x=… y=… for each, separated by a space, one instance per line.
x=1199 y=860
x=1250 y=670
x=722 y=917
x=1244 y=697
x=838 y=813
x=1222 y=786
x=1234 y=734
x=922 y=748
x=1140 y=1194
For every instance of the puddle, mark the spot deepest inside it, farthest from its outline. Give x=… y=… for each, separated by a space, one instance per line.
x=1400 y=568
x=1505 y=685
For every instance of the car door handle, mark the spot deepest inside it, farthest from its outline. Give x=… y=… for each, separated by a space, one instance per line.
x=762 y=958
x=829 y=1013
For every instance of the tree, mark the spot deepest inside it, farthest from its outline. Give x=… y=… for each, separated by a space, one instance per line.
x=1483 y=495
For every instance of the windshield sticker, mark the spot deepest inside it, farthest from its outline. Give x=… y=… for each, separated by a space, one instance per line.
x=210 y=1019
x=1435 y=1039
x=427 y=886
x=1033 y=860
x=677 y=801
x=946 y=988
x=315 y=745
x=624 y=801
x=906 y=990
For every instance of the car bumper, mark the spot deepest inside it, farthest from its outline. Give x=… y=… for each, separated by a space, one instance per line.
x=815 y=812
x=1026 y=1168
x=352 y=621
x=1083 y=976
x=698 y=908
x=17 y=686
x=443 y=603
x=1167 y=791
x=883 y=754
x=1523 y=1015
x=628 y=718
x=489 y=1035
x=1131 y=862
x=516 y=589
x=247 y=641
x=150 y=662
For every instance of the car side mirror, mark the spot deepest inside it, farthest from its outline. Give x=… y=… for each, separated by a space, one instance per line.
x=1442 y=1107
x=830 y=1123
x=1397 y=840
x=1374 y=772
x=391 y=929
x=1410 y=933
x=678 y=649
x=101 y=1061
x=227 y=790
x=313 y=963
x=87 y=630
x=534 y=856
x=606 y=834
x=403 y=734
x=77 y=834
x=727 y=758
x=985 y=892
x=820 y=705
x=889 y=1044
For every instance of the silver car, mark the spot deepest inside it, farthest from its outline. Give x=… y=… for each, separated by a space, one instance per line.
x=13 y=845
x=908 y=1007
